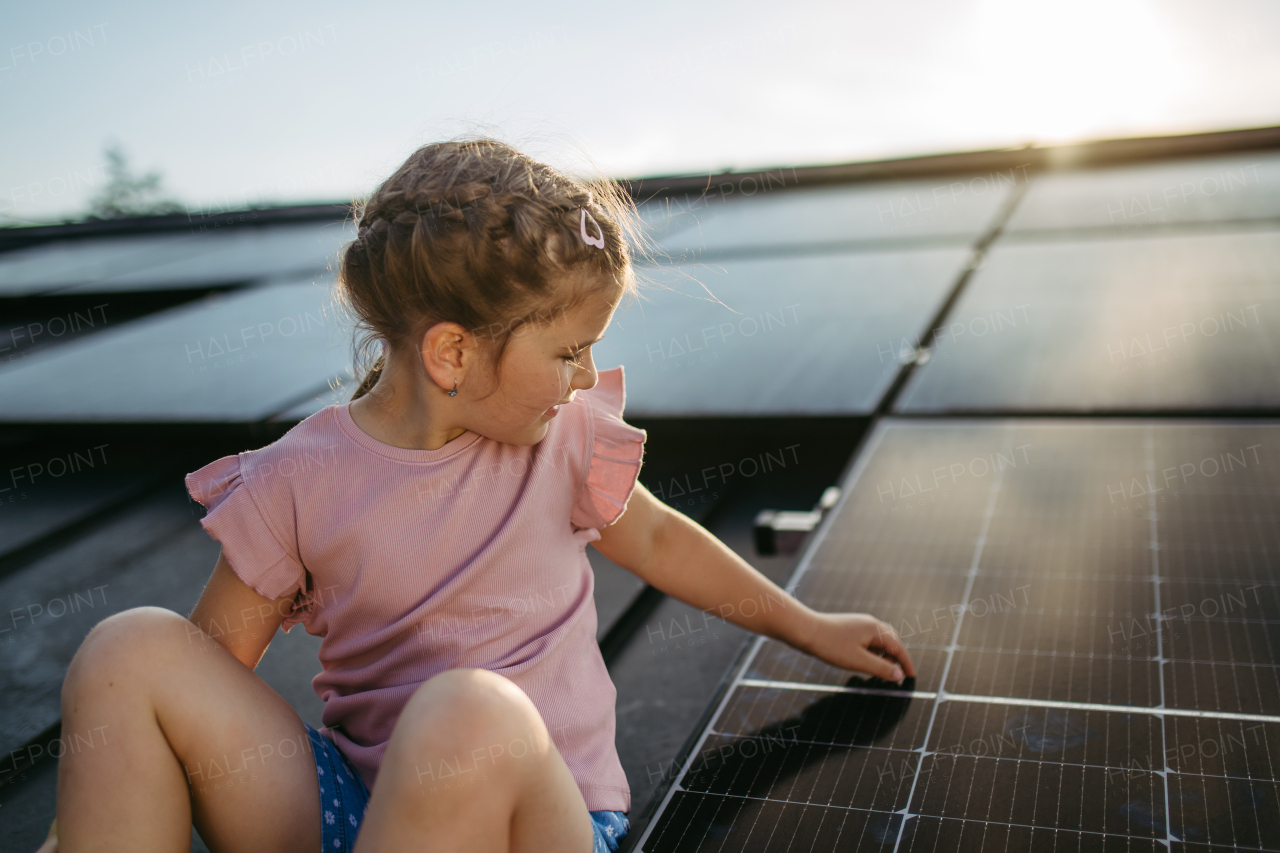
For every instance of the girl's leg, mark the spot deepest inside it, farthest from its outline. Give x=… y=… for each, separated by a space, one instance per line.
x=162 y=724
x=471 y=766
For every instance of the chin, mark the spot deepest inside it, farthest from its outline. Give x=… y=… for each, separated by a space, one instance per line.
x=530 y=436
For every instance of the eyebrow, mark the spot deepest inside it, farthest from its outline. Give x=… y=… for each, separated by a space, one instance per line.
x=584 y=346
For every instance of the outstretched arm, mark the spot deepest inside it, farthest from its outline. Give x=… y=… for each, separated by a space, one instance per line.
x=683 y=559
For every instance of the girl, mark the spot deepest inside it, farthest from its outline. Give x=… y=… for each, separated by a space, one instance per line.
x=433 y=532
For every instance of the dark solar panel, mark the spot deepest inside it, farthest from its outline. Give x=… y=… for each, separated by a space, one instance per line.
x=1125 y=198
x=818 y=334
x=1149 y=323
x=232 y=358
x=170 y=260
x=745 y=215
x=1071 y=693
x=238 y=255
x=58 y=265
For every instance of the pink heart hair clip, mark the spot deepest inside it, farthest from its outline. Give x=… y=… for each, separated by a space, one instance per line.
x=598 y=242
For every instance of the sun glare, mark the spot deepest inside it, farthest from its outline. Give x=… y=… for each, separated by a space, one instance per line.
x=1060 y=73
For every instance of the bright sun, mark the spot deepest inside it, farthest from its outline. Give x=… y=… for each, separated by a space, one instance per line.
x=1064 y=72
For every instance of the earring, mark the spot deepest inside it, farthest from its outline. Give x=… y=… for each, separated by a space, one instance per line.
x=454 y=392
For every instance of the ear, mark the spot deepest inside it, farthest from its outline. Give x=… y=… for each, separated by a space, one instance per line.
x=446 y=351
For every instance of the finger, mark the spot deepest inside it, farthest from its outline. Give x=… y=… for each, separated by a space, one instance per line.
x=904 y=658
x=884 y=630
x=893 y=645
x=878 y=666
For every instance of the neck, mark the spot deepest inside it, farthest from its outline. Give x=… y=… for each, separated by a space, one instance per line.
x=405 y=410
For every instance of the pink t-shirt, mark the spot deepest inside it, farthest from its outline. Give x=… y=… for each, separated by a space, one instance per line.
x=412 y=562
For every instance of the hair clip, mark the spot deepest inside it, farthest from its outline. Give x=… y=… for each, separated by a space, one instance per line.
x=598 y=242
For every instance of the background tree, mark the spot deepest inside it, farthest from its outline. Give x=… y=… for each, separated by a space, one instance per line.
x=127 y=194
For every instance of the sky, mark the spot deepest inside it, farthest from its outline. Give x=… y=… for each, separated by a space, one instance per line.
x=243 y=104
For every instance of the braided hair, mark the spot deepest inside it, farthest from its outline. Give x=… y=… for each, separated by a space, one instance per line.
x=477 y=233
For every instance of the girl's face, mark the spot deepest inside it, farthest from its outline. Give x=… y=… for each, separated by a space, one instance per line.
x=546 y=361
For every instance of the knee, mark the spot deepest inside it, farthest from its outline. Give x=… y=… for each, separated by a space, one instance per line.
x=472 y=706
x=128 y=645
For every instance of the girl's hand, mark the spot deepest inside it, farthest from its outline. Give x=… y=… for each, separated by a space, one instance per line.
x=851 y=640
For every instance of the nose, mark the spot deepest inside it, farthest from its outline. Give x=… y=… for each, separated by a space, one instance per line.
x=586 y=376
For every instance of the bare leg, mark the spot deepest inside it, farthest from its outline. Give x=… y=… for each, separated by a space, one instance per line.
x=160 y=723
x=471 y=766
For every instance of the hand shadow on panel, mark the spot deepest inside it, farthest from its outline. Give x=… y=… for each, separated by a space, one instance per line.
x=783 y=759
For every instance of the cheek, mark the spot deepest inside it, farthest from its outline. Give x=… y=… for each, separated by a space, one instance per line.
x=542 y=389
x=556 y=381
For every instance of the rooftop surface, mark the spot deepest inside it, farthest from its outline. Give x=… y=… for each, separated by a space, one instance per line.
x=1046 y=382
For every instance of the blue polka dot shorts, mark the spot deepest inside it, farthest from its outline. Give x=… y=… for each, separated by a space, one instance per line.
x=343 y=796
x=343 y=799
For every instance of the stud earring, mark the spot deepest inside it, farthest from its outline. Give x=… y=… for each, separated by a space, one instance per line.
x=454 y=392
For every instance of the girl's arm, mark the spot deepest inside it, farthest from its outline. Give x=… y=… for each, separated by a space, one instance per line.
x=684 y=560
x=234 y=614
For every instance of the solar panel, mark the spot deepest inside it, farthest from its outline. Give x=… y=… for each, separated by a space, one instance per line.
x=232 y=358
x=54 y=266
x=736 y=216
x=171 y=259
x=1175 y=322
x=1125 y=198
x=817 y=334
x=1095 y=669
x=236 y=255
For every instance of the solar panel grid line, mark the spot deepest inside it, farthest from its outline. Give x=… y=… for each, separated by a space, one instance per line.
x=834 y=688
x=808 y=742
x=1098 y=706
x=1090 y=656
x=1031 y=831
x=1022 y=760
x=987 y=514
x=1036 y=828
x=800 y=802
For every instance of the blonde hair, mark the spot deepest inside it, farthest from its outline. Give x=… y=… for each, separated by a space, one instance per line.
x=477 y=233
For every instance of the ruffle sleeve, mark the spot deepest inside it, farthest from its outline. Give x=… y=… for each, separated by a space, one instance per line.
x=248 y=541
x=617 y=452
